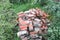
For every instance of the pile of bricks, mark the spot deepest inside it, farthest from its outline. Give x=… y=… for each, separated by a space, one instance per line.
x=33 y=21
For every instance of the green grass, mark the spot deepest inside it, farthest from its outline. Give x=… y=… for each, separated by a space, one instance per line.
x=17 y=8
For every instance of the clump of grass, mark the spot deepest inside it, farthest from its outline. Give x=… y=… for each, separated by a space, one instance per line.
x=24 y=7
